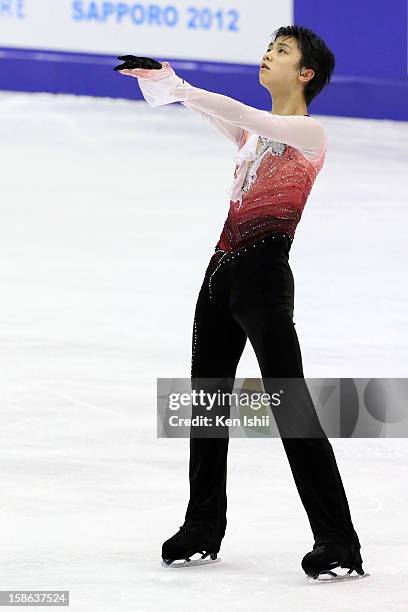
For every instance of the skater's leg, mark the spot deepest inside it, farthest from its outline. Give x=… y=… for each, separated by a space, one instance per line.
x=217 y=345
x=267 y=317
x=311 y=459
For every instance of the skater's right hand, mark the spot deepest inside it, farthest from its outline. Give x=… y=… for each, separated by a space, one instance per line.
x=142 y=67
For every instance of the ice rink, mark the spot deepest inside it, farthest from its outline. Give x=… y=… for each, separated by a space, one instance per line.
x=110 y=210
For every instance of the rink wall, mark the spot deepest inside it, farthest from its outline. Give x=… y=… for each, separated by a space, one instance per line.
x=73 y=50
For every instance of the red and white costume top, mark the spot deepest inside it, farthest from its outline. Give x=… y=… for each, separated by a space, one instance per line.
x=277 y=160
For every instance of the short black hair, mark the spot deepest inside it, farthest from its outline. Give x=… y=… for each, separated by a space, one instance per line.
x=314 y=54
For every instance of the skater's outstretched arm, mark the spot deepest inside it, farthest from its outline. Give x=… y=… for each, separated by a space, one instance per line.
x=232 y=132
x=164 y=86
x=157 y=91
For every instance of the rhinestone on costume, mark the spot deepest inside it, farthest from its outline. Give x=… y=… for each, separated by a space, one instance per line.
x=276 y=182
x=274 y=192
x=194 y=345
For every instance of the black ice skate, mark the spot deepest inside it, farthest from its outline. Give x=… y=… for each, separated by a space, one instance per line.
x=319 y=563
x=187 y=542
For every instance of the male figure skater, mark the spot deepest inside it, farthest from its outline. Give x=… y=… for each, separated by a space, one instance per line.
x=248 y=289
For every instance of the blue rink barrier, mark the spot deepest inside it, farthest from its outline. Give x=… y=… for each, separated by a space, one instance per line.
x=32 y=70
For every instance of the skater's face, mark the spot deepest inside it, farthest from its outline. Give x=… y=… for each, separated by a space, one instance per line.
x=282 y=59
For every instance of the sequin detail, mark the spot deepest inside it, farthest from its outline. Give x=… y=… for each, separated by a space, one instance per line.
x=194 y=345
x=274 y=191
x=234 y=254
x=212 y=274
x=264 y=146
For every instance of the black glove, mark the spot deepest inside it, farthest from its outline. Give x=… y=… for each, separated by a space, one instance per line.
x=131 y=61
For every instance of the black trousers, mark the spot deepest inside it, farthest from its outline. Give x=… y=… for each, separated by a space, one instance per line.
x=250 y=294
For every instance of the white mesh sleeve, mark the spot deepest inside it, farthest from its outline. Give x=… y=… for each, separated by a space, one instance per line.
x=303 y=133
x=158 y=91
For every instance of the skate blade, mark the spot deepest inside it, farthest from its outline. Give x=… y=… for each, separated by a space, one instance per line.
x=193 y=562
x=326 y=578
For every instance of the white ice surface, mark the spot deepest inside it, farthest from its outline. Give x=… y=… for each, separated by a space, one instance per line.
x=104 y=237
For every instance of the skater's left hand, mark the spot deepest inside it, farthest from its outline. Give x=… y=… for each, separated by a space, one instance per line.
x=139 y=67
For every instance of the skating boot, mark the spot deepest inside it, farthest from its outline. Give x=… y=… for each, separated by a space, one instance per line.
x=319 y=563
x=188 y=541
